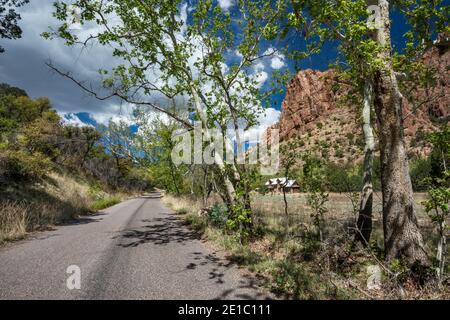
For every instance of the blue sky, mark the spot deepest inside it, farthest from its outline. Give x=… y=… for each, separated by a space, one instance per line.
x=23 y=65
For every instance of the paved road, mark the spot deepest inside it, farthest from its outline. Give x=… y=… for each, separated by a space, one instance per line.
x=134 y=250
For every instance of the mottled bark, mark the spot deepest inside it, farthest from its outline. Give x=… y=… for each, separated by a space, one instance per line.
x=402 y=237
x=441 y=249
x=229 y=187
x=364 y=223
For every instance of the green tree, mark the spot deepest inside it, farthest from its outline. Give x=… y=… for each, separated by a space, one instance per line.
x=9 y=18
x=18 y=111
x=438 y=201
x=155 y=143
x=6 y=90
x=29 y=130
x=289 y=158
x=314 y=182
x=168 y=56
x=367 y=50
x=41 y=135
x=77 y=145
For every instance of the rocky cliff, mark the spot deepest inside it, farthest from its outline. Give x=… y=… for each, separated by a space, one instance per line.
x=314 y=111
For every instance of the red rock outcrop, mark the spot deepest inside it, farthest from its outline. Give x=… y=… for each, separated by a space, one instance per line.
x=313 y=98
x=309 y=97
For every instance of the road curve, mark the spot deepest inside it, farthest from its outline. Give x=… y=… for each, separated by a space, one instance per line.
x=134 y=250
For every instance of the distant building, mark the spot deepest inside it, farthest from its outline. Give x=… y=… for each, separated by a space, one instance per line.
x=276 y=185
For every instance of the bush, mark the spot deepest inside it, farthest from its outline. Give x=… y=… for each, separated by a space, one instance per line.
x=419 y=170
x=339 y=153
x=20 y=166
x=104 y=203
x=96 y=192
x=181 y=211
x=342 y=178
x=218 y=215
x=350 y=136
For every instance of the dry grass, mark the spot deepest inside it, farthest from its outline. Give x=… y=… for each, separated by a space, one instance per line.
x=339 y=206
x=269 y=210
x=72 y=192
x=293 y=265
x=60 y=199
x=186 y=204
x=13 y=221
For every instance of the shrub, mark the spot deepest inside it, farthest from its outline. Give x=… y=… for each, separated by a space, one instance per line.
x=419 y=170
x=343 y=178
x=218 y=215
x=20 y=166
x=96 y=192
x=104 y=203
x=339 y=153
x=350 y=136
x=181 y=211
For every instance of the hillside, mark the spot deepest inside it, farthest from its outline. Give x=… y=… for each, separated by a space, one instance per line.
x=51 y=171
x=314 y=111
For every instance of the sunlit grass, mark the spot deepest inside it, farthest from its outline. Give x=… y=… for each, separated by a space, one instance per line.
x=289 y=264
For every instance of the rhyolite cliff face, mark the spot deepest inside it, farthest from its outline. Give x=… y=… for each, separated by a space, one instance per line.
x=314 y=111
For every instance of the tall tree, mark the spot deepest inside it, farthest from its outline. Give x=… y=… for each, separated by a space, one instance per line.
x=170 y=52
x=402 y=237
x=373 y=59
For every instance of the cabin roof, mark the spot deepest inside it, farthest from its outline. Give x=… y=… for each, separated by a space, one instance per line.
x=284 y=182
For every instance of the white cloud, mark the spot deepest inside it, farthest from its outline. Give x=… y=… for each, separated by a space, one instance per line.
x=266 y=120
x=115 y=113
x=270 y=51
x=226 y=4
x=24 y=66
x=277 y=62
x=73 y=120
x=260 y=75
x=270 y=117
x=261 y=78
x=258 y=67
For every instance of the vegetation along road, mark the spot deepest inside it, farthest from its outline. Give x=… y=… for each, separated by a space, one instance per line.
x=134 y=250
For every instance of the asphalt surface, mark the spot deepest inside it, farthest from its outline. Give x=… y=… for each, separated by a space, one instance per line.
x=134 y=250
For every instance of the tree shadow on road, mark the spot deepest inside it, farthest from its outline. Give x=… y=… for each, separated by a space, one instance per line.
x=159 y=231
x=247 y=288
x=209 y=268
x=91 y=218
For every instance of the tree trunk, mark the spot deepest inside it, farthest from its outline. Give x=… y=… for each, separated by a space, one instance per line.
x=206 y=190
x=229 y=187
x=402 y=238
x=174 y=180
x=364 y=223
x=286 y=213
x=442 y=249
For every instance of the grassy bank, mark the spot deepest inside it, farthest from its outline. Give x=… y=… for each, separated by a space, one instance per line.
x=58 y=200
x=291 y=263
